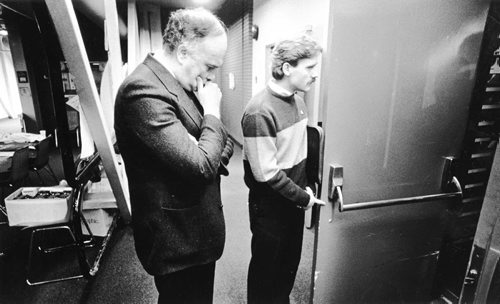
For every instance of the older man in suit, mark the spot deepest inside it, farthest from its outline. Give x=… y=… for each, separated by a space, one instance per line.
x=174 y=146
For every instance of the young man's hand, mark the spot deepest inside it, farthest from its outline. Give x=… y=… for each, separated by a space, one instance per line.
x=313 y=200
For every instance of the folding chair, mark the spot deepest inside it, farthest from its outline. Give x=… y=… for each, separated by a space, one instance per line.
x=73 y=229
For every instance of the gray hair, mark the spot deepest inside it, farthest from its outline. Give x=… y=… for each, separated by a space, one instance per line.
x=190 y=25
x=291 y=51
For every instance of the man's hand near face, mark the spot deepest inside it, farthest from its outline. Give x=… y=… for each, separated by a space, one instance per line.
x=209 y=96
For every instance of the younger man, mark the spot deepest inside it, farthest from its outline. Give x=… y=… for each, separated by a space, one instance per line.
x=274 y=157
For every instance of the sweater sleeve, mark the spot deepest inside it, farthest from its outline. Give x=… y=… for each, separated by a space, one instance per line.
x=259 y=136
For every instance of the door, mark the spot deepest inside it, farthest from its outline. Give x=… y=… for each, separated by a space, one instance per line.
x=397 y=79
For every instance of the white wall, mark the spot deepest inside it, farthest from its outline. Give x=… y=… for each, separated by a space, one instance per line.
x=238 y=62
x=278 y=19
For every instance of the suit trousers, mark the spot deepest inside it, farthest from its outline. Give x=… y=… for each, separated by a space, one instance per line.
x=190 y=285
x=277 y=233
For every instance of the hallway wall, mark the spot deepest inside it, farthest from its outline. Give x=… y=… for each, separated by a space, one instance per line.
x=235 y=75
x=246 y=57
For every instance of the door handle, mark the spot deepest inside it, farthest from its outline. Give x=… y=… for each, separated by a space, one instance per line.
x=406 y=200
x=336 y=182
x=314 y=167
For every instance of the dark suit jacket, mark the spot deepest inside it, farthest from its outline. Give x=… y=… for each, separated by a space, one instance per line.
x=174 y=183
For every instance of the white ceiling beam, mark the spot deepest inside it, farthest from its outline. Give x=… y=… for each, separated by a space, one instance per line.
x=114 y=48
x=132 y=36
x=70 y=38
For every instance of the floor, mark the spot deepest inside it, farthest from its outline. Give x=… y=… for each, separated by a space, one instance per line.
x=121 y=278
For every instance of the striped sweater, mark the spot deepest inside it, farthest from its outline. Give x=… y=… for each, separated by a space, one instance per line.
x=275 y=147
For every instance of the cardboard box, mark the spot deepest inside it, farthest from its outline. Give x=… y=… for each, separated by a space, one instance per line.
x=99 y=196
x=99 y=221
x=99 y=200
x=37 y=211
x=99 y=205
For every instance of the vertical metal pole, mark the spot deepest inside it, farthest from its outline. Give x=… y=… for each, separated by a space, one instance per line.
x=54 y=79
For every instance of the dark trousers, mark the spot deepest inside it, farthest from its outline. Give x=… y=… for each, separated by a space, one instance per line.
x=192 y=285
x=277 y=233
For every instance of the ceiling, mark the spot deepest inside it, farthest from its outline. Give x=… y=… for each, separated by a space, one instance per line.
x=212 y=5
x=227 y=10
x=94 y=9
